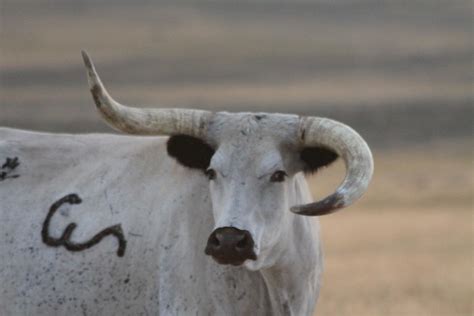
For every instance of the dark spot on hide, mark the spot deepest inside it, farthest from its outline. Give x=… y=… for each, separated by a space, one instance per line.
x=303 y=134
x=8 y=167
x=315 y=158
x=64 y=240
x=190 y=151
x=241 y=296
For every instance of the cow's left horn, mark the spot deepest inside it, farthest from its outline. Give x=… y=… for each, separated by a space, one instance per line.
x=356 y=155
x=142 y=121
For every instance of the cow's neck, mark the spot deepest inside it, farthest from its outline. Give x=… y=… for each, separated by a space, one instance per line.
x=292 y=282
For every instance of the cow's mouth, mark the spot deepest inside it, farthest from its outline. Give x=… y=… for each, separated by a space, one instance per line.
x=226 y=261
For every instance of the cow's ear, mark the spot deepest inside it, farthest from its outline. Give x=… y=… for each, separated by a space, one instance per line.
x=190 y=151
x=315 y=158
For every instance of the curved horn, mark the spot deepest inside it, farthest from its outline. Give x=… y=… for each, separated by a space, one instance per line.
x=144 y=121
x=356 y=155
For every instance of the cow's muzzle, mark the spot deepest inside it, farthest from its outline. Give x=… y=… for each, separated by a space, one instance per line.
x=229 y=245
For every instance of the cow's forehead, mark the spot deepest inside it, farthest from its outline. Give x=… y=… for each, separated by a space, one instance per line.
x=253 y=128
x=252 y=142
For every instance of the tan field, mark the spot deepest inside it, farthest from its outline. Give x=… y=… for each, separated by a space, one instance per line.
x=406 y=247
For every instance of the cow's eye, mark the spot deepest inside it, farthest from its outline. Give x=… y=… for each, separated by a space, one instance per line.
x=278 y=176
x=211 y=174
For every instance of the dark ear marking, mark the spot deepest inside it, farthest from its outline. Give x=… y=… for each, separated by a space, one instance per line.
x=315 y=158
x=190 y=151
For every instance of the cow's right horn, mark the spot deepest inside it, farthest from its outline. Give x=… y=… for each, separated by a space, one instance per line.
x=143 y=121
x=355 y=152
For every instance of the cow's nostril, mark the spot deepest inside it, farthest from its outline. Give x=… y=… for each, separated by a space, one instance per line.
x=213 y=241
x=243 y=243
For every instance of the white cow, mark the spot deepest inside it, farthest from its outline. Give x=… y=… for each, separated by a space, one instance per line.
x=121 y=225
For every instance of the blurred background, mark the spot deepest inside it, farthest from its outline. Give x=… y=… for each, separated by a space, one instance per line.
x=399 y=72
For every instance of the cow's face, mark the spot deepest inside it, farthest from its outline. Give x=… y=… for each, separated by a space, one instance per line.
x=250 y=187
x=253 y=170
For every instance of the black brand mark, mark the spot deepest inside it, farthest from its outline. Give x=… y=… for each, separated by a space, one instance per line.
x=8 y=167
x=64 y=240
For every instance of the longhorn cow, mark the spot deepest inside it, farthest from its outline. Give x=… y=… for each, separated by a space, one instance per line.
x=197 y=213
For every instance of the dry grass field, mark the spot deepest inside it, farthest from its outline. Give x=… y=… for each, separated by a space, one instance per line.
x=406 y=248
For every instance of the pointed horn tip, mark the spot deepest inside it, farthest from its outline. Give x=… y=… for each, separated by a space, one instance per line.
x=87 y=60
x=295 y=209
x=299 y=210
x=326 y=206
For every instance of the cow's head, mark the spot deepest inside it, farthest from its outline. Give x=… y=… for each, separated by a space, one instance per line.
x=254 y=164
